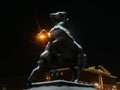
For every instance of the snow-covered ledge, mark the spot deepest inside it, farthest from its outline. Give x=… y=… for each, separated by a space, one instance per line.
x=60 y=85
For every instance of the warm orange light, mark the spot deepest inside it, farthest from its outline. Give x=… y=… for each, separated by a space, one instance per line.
x=42 y=36
x=48 y=77
x=49 y=34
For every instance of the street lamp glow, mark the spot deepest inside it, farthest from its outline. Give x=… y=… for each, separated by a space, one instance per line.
x=96 y=84
x=42 y=36
x=48 y=34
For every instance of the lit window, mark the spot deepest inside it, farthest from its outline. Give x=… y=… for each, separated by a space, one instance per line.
x=61 y=73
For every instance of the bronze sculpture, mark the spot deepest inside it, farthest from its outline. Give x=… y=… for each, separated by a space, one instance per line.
x=61 y=50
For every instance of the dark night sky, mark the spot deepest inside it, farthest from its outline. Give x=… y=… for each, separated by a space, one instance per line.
x=93 y=24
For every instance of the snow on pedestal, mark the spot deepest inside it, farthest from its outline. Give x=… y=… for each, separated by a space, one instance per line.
x=60 y=85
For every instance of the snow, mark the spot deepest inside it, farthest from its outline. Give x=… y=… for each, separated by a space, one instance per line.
x=60 y=85
x=61 y=88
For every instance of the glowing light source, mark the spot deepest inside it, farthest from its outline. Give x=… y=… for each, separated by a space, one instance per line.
x=114 y=87
x=42 y=36
x=61 y=73
x=48 y=77
x=96 y=84
x=49 y=34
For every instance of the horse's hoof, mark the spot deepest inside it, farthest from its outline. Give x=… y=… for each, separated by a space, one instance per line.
x=29 y=85
x=29 y=82
x=76 y=81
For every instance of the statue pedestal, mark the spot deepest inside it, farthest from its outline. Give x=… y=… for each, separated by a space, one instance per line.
x=60 y=85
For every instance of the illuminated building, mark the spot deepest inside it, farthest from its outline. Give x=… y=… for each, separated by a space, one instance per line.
x=99 y=76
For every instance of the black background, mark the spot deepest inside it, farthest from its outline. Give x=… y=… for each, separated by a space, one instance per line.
x=94 y=25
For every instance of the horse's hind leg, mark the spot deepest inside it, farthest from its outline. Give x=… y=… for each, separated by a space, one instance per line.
x=34 y=72
x=82 y=58
x=54 y=73
x=73 y=73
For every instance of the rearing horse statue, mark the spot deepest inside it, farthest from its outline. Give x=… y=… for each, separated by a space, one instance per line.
x=61 y=50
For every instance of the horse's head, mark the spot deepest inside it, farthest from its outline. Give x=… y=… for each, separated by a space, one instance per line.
x=59 y=16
